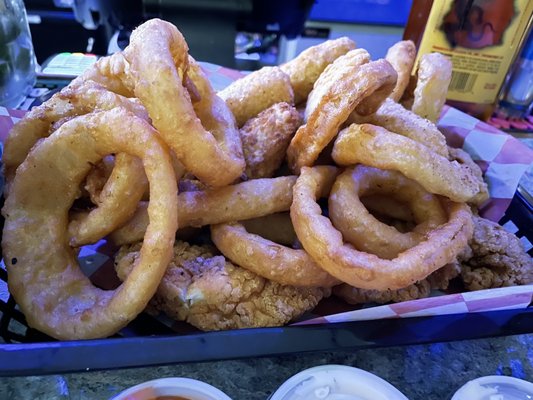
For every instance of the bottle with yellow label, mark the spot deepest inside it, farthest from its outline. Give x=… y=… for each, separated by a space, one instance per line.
x=481 y=37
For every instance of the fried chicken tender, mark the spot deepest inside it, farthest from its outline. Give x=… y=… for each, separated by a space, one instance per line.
x=418 y=290
x=305 y=69
x=266 y=137
x=495 y=258
x=211 y=293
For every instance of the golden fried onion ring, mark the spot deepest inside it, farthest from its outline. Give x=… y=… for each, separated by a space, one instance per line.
x=305 y=69
x=248 y=96
x=44 y=276
x=158 y=49
x=395 y=118
x=349 y=83
x=434 y=76
x=344 y=65
x=268 y=259
x=73 y=100
x=437 y=280
x=245 y=200
x=402 y=57
x=362 y=229
x=119 y=199
x=363 y=270
x=377 y=147
x=116 y=204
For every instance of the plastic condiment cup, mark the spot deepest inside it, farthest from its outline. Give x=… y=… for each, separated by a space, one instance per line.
x=190 y=389
x=495 y=388
x=336 y=382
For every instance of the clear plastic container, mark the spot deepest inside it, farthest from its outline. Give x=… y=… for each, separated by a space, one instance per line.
x=17 y=59
x=178 y=388
x=516 y=100
x=495 y=388
x=336 y=382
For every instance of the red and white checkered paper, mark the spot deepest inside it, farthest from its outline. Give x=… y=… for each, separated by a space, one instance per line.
x=502 y=158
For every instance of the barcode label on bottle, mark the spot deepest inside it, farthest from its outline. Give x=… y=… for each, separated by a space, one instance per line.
x=462 y=81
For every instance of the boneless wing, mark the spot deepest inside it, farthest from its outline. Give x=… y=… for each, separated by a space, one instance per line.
x=210 y=293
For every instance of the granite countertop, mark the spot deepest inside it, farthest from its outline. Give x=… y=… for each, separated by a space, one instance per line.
x=421 y=372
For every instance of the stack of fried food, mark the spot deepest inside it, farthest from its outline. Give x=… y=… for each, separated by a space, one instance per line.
x=141 y=150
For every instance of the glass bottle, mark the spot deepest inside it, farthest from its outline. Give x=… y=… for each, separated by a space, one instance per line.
x=516 y=99
x=17 y=58
x=482 y=39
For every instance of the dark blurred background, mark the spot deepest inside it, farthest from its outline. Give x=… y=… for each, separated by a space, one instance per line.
x=244 y=34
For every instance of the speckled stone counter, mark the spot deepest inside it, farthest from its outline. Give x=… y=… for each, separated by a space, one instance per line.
x=423 y=372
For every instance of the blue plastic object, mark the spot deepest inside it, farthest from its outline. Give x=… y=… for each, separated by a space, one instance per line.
x=373 y=12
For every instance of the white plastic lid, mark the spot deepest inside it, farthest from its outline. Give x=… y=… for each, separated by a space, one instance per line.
x=495 y=388
x=182 y=387
x=336 y=382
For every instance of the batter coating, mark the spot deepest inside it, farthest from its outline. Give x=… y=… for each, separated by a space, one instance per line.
x=211 y=293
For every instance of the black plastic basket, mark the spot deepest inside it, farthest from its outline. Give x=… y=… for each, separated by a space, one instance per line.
x=146 y=341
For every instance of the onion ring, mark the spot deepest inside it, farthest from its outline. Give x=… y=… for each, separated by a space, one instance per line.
x=116 y=190
x=436 y=280
x=81 y=97
x=248 y=96
x=377 y=147
x=268 y=259
x=364 y=231
x=237 y=202
x=242 y=201
x=325 y=245
x=215 y=115
x=157 y=49
x=395 y=118
x=305 y=69
x=71 y=101
x=44 y=276
x=117 y=203
x=434 y=76
x=402 y=57
x=344 y=65
x=341 y=88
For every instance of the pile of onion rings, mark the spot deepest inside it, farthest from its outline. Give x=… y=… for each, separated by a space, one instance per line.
x=106 y=157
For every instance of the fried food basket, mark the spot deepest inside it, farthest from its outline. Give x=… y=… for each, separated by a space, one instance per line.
x=25 y=351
